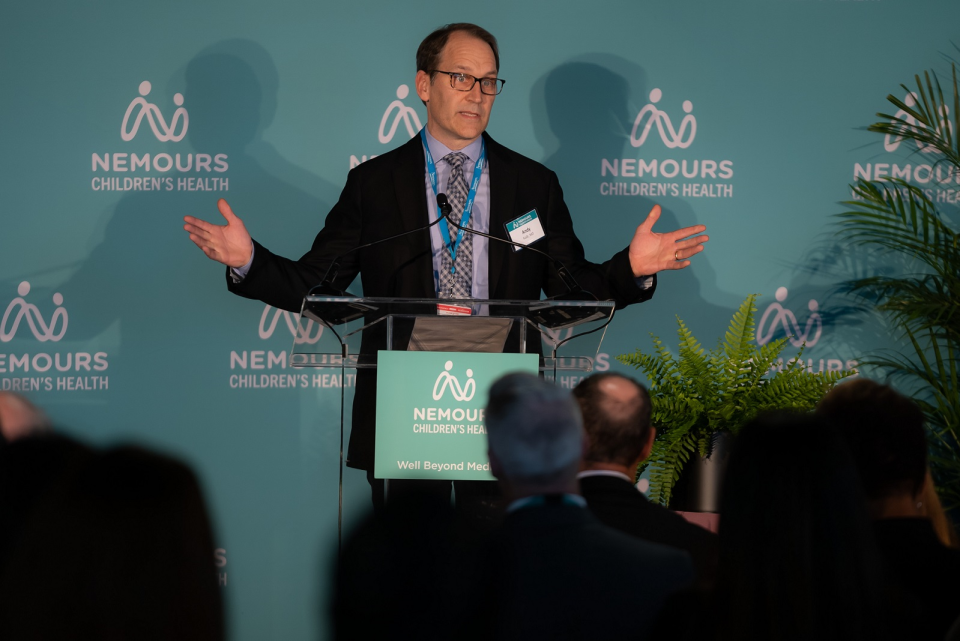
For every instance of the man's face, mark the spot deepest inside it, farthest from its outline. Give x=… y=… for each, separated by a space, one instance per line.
x=457 y=118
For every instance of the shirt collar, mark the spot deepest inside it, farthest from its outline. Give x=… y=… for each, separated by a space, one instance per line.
x=620 y=475
x=540 y=499
x=438 y=150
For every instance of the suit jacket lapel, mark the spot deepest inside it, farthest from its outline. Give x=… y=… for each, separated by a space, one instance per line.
x=408 y=182
x=503 y=191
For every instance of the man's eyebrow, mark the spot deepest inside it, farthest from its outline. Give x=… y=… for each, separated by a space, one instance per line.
x=490 y=74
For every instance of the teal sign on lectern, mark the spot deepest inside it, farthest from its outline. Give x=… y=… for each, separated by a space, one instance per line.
x=430 y=405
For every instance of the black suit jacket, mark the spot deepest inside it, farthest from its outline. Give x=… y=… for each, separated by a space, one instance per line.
x=618 y=504
x=917 y=562
x=556 y=572
x=386 y=196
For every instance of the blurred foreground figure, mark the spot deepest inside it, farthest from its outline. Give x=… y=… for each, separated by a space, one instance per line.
x=19 y=417
x=616 y=416
x=885 y=432
x=556 y=572
x=407 y=573
x=30 y=470
x=797 y=557
x=119 y=547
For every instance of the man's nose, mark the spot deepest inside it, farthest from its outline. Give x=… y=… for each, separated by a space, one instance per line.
x=475 y=95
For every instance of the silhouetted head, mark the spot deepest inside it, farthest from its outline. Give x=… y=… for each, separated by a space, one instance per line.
x=230 y=96
x=127 y=538
x=616 y=416
x=797 y=559
x=884 y=431
x=534 y=432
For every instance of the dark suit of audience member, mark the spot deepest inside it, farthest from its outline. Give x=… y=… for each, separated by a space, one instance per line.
x=554 y=571
x=616 y=416
x=564 y=575
x=618 y=504
x=407 y=573
x=30 y=468
x=119 y=548
x=885 y=432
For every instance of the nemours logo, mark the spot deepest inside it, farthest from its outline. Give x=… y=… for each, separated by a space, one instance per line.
x=21 y=367
x=941 y=177
x=780 y=317
x=397 y=113
x=692 y=174
x=276 y=361
x=891 y=143
x=671 y=137
x=20 y=310
x=310 y=333
x=159 y=126
x=404 y=114
x=446 y=381
x=141 y=111
x=777 y=321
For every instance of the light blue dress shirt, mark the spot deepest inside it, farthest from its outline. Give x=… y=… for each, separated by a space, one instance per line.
x=479 y=217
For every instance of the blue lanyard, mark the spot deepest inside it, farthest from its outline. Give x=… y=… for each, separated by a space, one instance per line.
x=467 y=208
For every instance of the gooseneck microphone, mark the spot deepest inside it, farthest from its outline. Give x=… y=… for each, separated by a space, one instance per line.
x=565 y=277
x=326 y=284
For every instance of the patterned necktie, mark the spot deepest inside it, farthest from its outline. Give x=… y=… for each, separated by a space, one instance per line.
x=460 y=283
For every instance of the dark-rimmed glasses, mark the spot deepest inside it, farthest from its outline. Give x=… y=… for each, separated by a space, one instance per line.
x=464 y=82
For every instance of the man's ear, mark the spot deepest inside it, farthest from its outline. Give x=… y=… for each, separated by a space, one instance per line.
x=423 y=83
x=495 y=467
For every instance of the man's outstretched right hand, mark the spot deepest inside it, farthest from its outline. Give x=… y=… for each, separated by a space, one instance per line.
x=229 y=244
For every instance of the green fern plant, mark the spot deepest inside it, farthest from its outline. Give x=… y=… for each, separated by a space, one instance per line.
x=699 y=394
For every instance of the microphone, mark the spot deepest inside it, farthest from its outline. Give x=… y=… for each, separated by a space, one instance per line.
x=326 y=284
x=573 y=287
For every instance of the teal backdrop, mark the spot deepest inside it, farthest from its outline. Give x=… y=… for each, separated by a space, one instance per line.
x=118 y=118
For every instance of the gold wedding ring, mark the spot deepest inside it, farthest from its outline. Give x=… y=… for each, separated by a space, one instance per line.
x=676 y=255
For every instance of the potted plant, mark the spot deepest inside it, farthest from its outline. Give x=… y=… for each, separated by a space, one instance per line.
x=918 y=227
x=698 y=396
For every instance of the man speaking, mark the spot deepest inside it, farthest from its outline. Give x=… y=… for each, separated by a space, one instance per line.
x=487 y=186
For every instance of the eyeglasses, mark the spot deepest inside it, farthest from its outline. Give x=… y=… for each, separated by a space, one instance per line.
x=465 y=82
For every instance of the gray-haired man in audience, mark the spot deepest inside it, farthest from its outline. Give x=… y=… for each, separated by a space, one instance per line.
x=557 y=571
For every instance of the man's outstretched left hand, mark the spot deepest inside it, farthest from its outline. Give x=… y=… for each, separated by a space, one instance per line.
x=651 y=252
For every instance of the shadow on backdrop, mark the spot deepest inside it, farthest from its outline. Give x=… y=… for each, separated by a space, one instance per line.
x=176 y=326
x=589 y=106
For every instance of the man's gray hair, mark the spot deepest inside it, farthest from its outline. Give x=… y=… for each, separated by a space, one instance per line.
x=534 y=429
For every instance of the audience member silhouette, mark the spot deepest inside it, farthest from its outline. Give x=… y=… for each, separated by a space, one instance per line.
x=616 y=416
x=119 y=548
x=797 y=558
x=885 y=432
x=30 y=468
x=406 y=573
x=555 y=571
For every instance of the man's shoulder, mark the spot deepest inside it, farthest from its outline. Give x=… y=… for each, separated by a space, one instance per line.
x=558 y=530
x=618 y=504
x=602 y=491
x=523 y=164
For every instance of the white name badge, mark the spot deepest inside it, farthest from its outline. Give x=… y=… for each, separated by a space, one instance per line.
x=525 y=230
